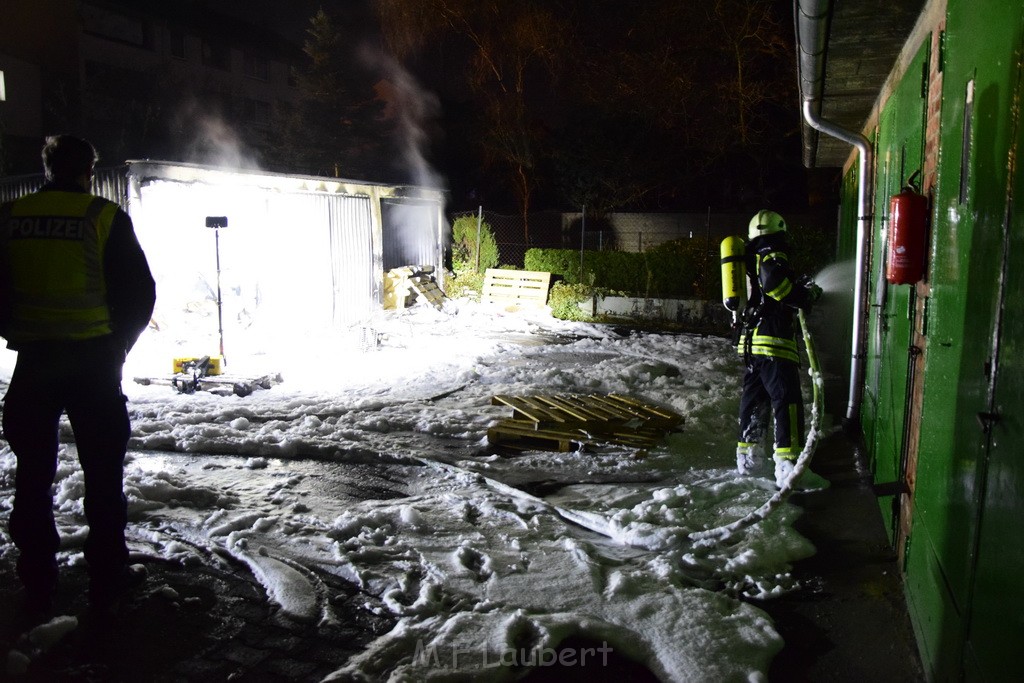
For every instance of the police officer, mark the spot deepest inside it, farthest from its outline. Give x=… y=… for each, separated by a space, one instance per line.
x=75 y=294
x=769 y=348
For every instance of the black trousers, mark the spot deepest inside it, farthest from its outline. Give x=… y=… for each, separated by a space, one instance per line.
x=84 y=379
x=775 y=383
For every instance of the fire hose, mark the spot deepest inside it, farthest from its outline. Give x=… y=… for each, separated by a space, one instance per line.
x=720 y=533
x=599 y=524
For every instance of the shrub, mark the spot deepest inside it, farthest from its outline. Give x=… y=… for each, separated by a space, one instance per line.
x=679 y=268
x=466 y=283
x=564 y=300
x=464 y=246
x=676 y=268
x=617 y=270
x=564 y=262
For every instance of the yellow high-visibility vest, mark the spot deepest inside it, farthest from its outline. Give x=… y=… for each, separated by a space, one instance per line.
x=52 y=245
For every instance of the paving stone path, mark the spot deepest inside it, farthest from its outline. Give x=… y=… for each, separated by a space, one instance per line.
x=185 y=624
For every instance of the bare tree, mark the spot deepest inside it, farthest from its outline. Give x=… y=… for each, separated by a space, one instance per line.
x=613 y=103
x=512 y=48
x=751 y=40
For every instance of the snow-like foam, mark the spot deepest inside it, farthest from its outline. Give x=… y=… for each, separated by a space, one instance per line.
x=323 y=477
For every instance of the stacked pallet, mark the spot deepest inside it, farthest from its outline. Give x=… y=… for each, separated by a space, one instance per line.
x=572 y=422
x=516 y=288
x=407 y=285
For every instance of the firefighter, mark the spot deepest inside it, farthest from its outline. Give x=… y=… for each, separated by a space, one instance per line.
x=75 y=294
x=767 y=341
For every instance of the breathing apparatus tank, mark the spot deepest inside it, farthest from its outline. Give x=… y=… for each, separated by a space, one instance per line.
x=734 y=275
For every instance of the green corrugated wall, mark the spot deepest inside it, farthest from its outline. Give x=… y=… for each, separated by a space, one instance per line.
x=899 y=154
x=964 y=557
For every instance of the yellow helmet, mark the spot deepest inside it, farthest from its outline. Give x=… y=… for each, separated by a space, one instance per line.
x=766 y=222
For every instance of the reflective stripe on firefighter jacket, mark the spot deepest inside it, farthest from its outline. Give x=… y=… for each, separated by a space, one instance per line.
x=770 y=329
x=52 y=243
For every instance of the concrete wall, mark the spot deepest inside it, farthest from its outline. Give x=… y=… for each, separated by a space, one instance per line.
x=636 y=232
x=689 y=312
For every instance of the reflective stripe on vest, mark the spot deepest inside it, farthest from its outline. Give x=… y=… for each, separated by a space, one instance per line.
x=53 y=242
x=782 y=289
x=776 y=347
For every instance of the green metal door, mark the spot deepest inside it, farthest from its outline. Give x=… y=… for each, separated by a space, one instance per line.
x=964 y=560
x=900 y=149
x=996 y=618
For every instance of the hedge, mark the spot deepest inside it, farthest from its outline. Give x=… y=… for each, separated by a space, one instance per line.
x=679 y=268
x=671 y=269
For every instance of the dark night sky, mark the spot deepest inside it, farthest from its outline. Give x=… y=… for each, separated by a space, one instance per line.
x=449 y=147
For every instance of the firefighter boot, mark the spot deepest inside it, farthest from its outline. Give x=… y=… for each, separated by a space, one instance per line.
x=807 y=481
x=749 y=458
x=783 y=469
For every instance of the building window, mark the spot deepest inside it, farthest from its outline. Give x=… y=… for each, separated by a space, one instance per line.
x=217 y=103
x=256 y=66
x=114 y=80
x=177 y=43
x=256 y=111
x=216 y=56
x=118 y=27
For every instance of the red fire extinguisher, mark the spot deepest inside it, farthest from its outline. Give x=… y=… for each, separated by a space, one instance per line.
x=908 y=222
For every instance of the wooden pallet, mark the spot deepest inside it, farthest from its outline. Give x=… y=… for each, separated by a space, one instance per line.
x=406 y=285
x=514 y=288
x=573 y=422
x=427 y=289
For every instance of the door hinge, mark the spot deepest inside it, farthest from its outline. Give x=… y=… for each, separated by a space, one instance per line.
x=890 y=488
x=988 y=421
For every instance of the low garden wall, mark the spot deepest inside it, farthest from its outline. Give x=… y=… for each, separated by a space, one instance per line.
x=695 y=312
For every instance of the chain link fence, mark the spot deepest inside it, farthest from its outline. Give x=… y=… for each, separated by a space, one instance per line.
x=695 y=241
x=630 y=232
x=515 y=234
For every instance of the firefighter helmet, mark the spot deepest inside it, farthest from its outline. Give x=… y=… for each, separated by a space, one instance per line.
x=766 y=222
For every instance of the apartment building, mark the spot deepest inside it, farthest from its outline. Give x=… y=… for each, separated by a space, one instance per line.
x=176 y=79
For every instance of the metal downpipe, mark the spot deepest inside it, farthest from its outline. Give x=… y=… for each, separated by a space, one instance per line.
x=857 y=353
x=811 y=18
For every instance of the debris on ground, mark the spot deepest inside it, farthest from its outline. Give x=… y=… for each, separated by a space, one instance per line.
x=573 y=422
x=408 y=285
x=204 y=374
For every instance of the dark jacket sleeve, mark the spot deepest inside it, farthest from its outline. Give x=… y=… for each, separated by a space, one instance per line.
x=778 y=280
x=131 y=291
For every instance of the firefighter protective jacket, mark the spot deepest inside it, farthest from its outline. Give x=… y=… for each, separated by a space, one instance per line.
x=72 y=269
x=769 y=325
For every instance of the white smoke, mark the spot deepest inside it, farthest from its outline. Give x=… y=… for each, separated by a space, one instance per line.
x=411 y=107
x=211 y=140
